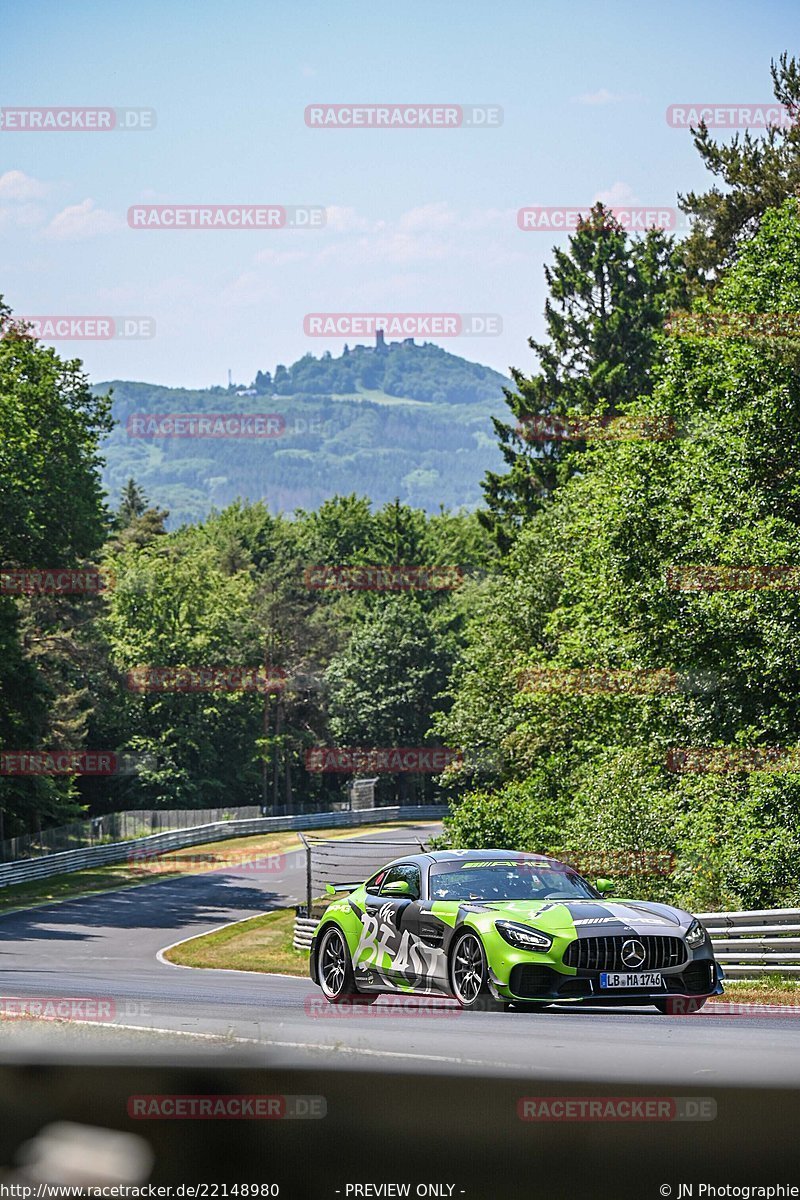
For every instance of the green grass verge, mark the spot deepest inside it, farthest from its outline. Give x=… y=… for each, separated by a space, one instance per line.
x=769 y=989
x=192 y=860
x=258 y=944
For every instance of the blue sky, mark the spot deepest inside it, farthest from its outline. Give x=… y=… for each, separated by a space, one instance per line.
x=418 y=220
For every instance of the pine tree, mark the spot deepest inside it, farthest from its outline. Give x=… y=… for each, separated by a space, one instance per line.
x=760 y=173
x=133 y=503
x=608 y=299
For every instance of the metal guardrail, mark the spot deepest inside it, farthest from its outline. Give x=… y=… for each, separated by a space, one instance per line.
x=759 y=942
x=138 y=849
x=304 y=928
x=118 y=827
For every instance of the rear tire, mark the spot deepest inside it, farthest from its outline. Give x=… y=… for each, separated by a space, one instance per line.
x=469 y=976
x=335 y=970
x=680 y=1006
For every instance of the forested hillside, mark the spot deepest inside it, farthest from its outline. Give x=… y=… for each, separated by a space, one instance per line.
x=406 y=421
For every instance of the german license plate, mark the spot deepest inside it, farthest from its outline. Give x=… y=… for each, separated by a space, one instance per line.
x=631 y=979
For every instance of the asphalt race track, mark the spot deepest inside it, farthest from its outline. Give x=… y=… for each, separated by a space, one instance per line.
x=106 y=946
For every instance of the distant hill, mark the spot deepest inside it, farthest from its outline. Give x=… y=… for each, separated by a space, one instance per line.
x=402 y=420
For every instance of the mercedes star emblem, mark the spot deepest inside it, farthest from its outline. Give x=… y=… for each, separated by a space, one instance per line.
x=633 y=953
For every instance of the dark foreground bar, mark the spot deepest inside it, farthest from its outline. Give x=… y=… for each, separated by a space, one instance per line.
x=318 y=1134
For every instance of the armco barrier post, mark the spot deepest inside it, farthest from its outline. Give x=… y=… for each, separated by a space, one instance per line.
x=308 y=875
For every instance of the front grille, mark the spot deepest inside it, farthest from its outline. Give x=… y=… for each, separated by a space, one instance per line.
x=595 y=954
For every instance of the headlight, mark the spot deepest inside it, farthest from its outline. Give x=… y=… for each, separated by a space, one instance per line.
x=522 y=937
x=695 y=935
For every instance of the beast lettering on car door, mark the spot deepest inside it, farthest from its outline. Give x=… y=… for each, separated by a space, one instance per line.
x=390 y=953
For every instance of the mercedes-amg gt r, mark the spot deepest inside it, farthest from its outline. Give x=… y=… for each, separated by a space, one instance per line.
x=496 y=929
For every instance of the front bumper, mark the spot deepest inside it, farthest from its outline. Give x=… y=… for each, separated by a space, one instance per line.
x=532 y=977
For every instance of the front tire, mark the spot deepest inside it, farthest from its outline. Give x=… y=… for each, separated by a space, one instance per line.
x=335 y=970
x=469 y=975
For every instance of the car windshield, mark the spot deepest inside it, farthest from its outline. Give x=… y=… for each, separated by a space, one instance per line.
x=506 y=881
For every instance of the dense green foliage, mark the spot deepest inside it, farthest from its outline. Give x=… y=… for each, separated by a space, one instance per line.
x=586 y=587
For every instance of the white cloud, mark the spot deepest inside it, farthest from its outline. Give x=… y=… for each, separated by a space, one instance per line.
x=21 y=216
x=429 y=218
x=249 y=289
x=16 y=185
x=429 y=233
x=601 y=96
x=280 y=258
x=307 y=72
x=79 y=222
x=347 y=220
x=617 y=196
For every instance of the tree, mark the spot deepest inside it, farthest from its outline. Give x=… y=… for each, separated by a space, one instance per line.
x=608 y=299
x=174 y=606
x=133 y=503
x=759 y=172
x=51 y=508
x=51 y=515
x=384 y=683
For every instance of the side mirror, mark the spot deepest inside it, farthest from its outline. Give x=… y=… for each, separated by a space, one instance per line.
x=605 y=885
x=399 y=887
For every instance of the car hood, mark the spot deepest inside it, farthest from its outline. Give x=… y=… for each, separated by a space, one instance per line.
x=589 y=918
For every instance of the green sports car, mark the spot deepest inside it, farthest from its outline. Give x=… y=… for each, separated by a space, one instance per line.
x=496 y=929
